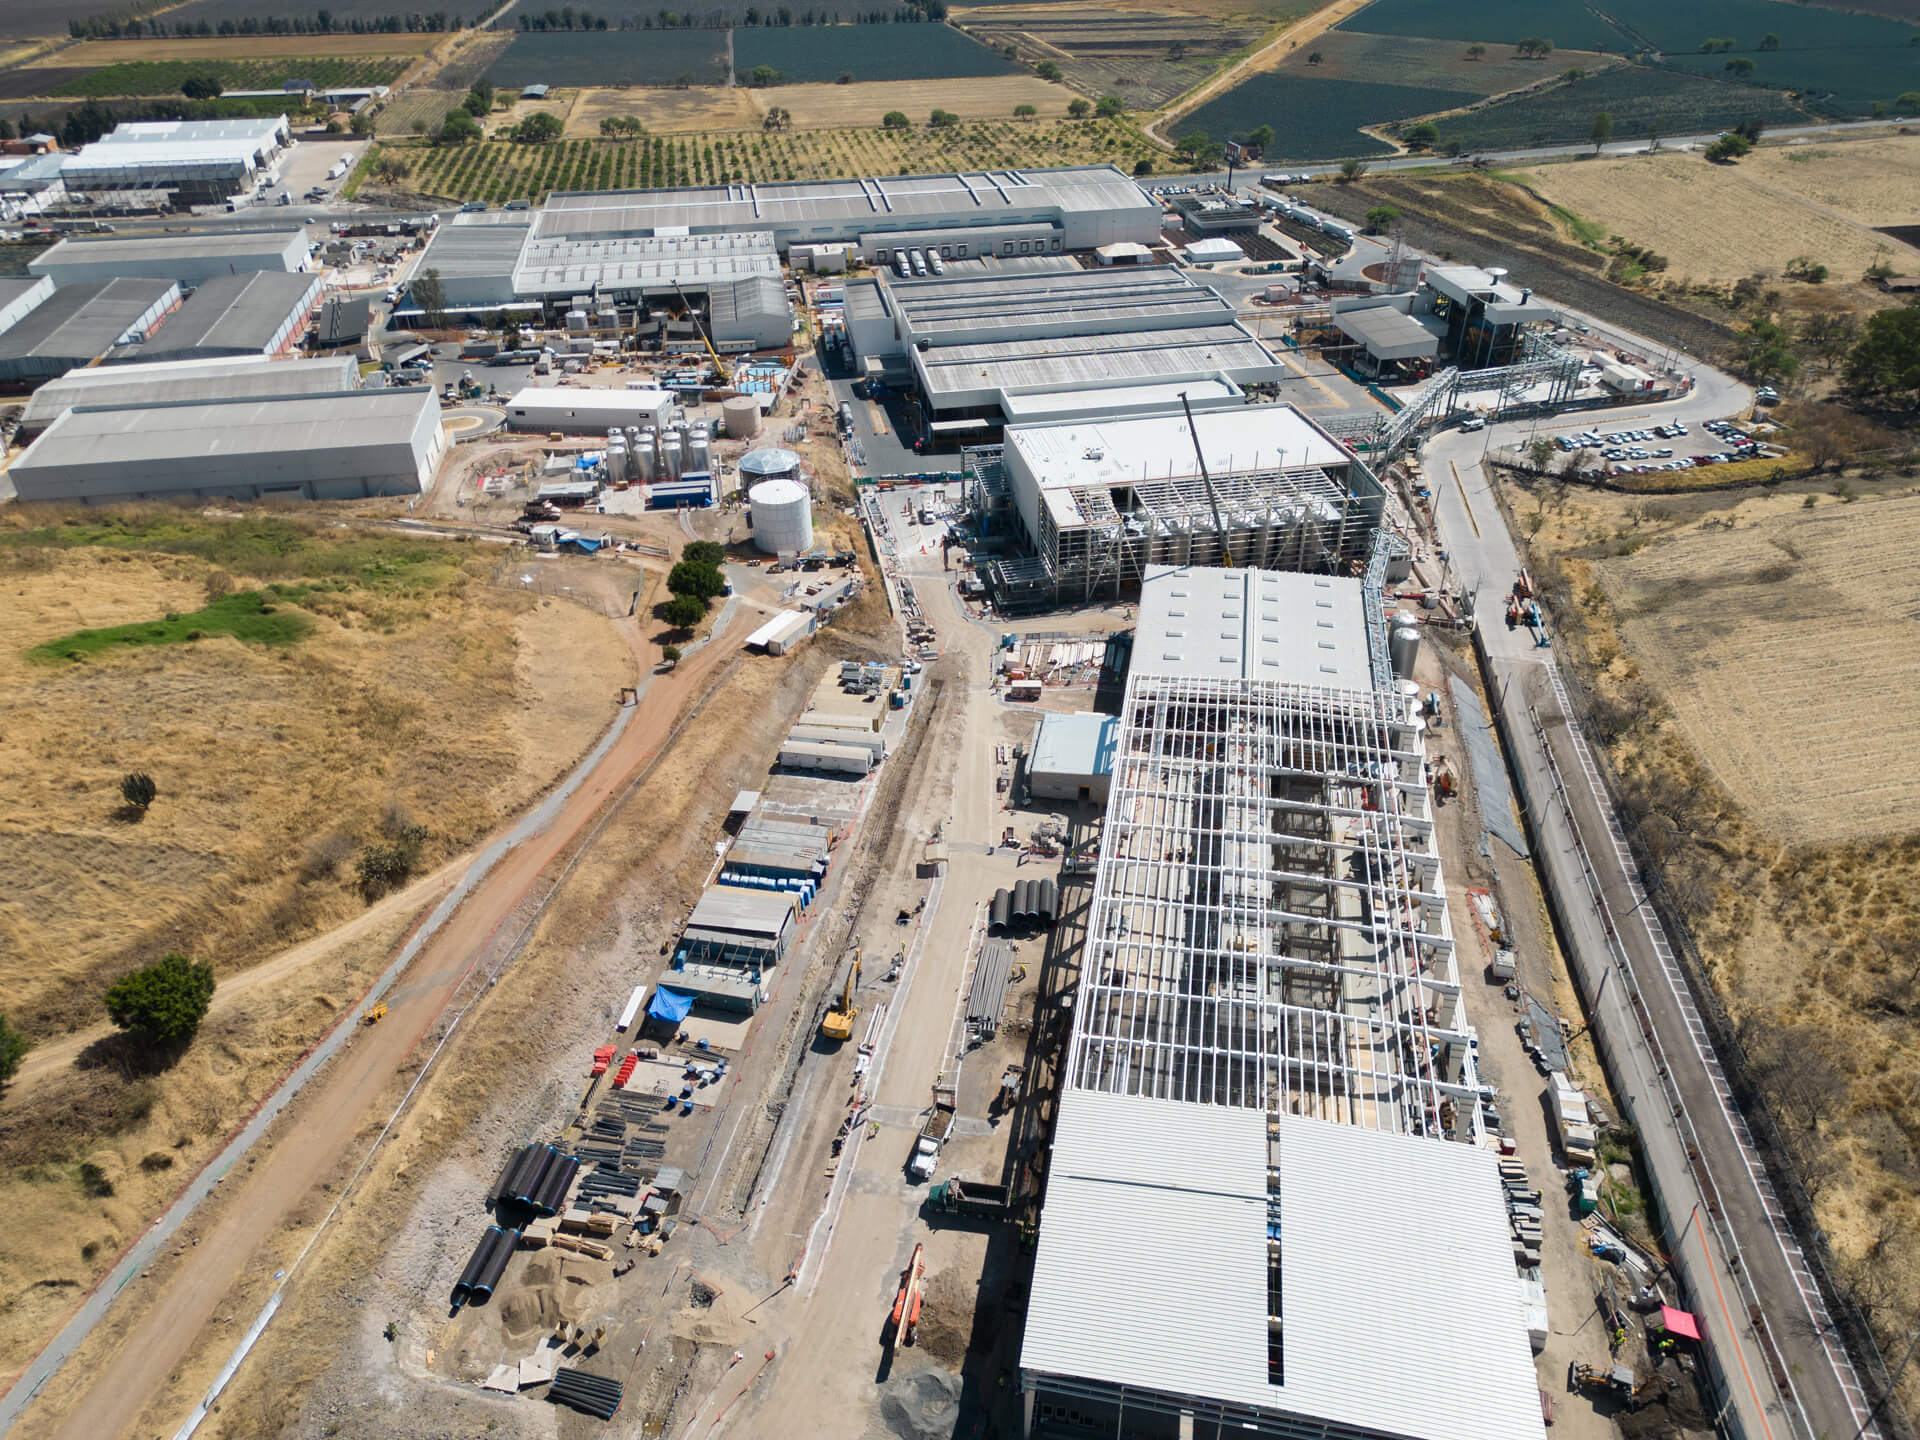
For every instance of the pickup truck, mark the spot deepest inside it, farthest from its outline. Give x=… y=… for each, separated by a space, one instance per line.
x=974 y=1198
x=933 y=1134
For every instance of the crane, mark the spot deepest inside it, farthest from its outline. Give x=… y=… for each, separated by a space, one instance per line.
x=1213 y=500
x=838 y=1023
x=719 y=365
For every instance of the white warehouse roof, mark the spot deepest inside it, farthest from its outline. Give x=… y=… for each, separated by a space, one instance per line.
x=1253 y=625
x=1372 y=1340
x=1240 y=438
x=1080 y=744
x=173 y=380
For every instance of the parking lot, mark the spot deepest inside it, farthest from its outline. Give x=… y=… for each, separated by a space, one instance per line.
x=1647 y=448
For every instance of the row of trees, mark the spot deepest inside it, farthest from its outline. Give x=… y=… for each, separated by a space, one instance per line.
x=133 y=24
x=782 y=16
x=1879 y=361
x=695 y=582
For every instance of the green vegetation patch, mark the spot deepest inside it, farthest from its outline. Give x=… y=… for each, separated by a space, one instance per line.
x=1316 y=119
x=1643 y=100
x=1572 y=27
x=612 y=57
x=165 y=77
x=822 y=53
x=266 y=548
x=247 y=615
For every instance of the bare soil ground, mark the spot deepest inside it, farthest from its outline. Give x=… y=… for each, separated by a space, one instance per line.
x=273 y=768
x=666 y=111
x=865 y=103
x=1721 y=223
x=1701 y=626
x=241 y=47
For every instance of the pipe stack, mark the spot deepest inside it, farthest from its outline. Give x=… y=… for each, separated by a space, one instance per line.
x=590 y=1394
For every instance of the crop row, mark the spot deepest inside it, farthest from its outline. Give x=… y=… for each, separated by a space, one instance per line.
x=165 y=77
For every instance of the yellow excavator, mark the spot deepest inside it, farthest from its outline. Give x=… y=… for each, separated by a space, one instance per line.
x=838 y=1024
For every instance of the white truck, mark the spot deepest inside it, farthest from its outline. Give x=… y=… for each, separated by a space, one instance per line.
x=933 y=1134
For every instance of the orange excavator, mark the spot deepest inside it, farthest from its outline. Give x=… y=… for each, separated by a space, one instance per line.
x=905 y=1321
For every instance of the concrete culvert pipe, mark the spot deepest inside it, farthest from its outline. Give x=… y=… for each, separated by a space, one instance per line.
x=1023 y=902
x=1049 y=902
x=1000 y=913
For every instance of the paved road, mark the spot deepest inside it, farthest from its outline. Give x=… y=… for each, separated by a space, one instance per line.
x=1795 y=1356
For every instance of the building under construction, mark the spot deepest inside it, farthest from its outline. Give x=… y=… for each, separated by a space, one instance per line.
x=1085 y=510
x=1270 y=1208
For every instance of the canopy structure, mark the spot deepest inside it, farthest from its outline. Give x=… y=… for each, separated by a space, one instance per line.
x=1679 y=1322
x=669 y=1005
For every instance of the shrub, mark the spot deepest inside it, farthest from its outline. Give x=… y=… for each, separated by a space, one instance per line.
x=384 y=867
x=162 y=1006
x=94 y=1181
x=138 y=790
x=1047 y=70
x=13 y=1049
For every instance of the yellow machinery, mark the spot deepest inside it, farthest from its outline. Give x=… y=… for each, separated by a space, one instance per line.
x=722 y=375
x=838 y=1024
x=376 y=1014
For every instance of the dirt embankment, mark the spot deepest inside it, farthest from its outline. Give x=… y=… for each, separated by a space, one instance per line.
x=1476 y=221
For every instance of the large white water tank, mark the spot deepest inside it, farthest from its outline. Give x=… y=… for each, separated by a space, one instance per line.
x=782 y=516
x=769 y=464
x=741 y=416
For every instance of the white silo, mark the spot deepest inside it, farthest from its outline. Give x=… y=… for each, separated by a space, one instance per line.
x=782 y=517
x=616 y=464
x=741 y=416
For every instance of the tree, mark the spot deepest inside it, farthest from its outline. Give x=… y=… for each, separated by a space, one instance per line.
x=202 y=87
x=1476 y=51
x=625 y=127
x=845 y=77
x=778 y=117
x=1351 y=170
x=1047 y=70
x=1380 y=217
x=761 y=76
x=943 y=119
x=13 y=1049
x=1539 y=454
x=1885 y=363
x=426 y=291
x=1315 y=57
x=362 y=122
x=690 y=577
x=1740 y=65
x=162 y=1006
x=538 y=129
x=1024 y=112
x=704 y=552
x=1769 y=42
x=896 y=120
x=1421 y=136
x=1728 y=148
x=138 y=790
x=1143 y=166
x=1198 y=150
x=459 y=128
x=1573 y=73
x=389 y=168
x=1907 y=102
x=1534 y=47
x=386 y=865
x=1078 y=109
x=683 y=612
x=483 y=91
x=1766 y=349
x=1110 y=107
x=476 y=104
x=1260 y=137
x=1602 y=130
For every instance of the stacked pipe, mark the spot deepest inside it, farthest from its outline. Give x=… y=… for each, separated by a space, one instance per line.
x=519 y=1170
x=1049 y=902
x=1000 y=915
x=1023 y=911
x=590 y=1394
x=495 y=1266
x=463 y=1287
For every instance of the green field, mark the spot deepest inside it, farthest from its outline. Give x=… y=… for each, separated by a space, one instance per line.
x=805 y=54
x=1410 y=60
x=612 y=57
x=246 y=615
x=1844 y=61
x=1316 y=119
x=164 y=77
x=1642 y=100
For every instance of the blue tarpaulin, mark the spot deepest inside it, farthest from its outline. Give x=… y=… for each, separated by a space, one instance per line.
x=669 y=1005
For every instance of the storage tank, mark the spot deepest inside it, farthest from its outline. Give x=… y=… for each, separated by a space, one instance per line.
x=1403 y=649
x=616 y=464
x=741 y=417
x=782 y=514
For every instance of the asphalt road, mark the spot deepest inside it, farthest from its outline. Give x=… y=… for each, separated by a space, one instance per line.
x=1612 y=925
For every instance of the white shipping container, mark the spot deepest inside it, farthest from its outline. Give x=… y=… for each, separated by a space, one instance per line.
x=633 y=1007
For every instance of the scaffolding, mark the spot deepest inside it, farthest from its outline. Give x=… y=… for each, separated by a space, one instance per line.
x=1269 y=926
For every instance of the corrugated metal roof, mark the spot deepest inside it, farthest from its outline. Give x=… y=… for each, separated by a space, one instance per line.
x=83 y=322
x=483 y=245
x=1253 y=624
x=178 y=380
x=743 y=912
x=1400 y=1305
x=1387 y=333
x=1064 y=362
x=244 y=312
x=138 y=249
x=561 y=266
x=266 y=427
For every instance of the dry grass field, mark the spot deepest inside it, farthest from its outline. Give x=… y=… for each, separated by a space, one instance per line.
x=1720 y=223
x=240 y=47
x=985 y=97
x=1783 y=649
x=1870 y=182
x=421 y=692
x=700 y=108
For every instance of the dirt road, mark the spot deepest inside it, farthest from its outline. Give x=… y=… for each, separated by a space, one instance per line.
x=1267 y=57
x=338 y=1102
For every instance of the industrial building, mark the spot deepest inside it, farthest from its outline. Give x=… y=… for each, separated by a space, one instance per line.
x=188 y=259
x=1073 y=758
x=340 y=322
x=473 y=256
x=1482 y=317
x=1093 y=506
x=344 y=446
x=173 y=382
x=587 y=412
x=1269 y=1072
x=177 y=162
x=740 y=928
x=80 y=324
x=1000 y=212
x=20 y=297
x=630 y=269
x=258 y=313
x=972 y=344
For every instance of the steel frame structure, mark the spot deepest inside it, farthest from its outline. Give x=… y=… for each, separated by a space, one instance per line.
x=1269 y=926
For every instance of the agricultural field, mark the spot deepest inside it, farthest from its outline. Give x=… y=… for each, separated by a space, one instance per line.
x=1870 y=182
x=498 y=171
x=344 y=12
x=241 y=47
x=1717 y=223
x=1315 y=119
x=20 y=19
x=820 y=54
x=27 y=81
x=1490 y=21
x=1350 y=55
x=828 y=107
x=612 y=57
x=1643 y=100
x=415 y=112
x=164 y=77
x=697 y=110
x=1146 y=59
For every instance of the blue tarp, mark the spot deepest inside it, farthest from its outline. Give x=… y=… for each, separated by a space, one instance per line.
x=581 y=543
x=669 y=1005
